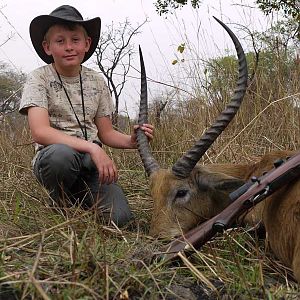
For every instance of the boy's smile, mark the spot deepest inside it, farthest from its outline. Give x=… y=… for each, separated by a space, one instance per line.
x=67 y=47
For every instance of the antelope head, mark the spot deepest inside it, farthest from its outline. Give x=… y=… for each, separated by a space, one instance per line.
x=187 y=193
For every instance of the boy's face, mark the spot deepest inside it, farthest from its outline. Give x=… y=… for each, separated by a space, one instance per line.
x=67 y=47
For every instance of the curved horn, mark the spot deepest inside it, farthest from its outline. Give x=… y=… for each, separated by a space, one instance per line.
x=183 y=167
x=148 y=160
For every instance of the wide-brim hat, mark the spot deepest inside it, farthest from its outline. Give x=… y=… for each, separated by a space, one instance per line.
x=63 y=14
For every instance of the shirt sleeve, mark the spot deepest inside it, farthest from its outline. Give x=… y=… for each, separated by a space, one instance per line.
x=34 y=92
x=105 y=106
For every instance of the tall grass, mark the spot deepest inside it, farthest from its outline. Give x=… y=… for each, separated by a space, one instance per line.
x=268 y=119
x=49 y=254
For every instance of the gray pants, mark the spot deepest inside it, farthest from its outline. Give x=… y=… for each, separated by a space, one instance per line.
x=71 y=177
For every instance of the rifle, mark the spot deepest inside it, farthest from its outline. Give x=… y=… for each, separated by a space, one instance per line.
x=244 y=198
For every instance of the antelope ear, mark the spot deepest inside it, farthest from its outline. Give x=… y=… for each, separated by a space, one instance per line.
x=209 y=181
x=220 y=193
x=229 y=184
x=218 y=186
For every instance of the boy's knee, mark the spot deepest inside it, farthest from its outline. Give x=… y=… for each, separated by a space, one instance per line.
x=114 y=205
x=60 y=157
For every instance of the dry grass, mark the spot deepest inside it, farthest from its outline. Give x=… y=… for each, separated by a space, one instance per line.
x=49 y=255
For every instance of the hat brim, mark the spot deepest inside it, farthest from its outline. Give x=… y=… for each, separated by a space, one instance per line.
x=39 y=26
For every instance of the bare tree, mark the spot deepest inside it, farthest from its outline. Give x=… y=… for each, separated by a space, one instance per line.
x=159 y=104
x=9 y=37
x=114 y=54
x=11 y=83
x=8 y=82
x=10 y=88
x=11 y=103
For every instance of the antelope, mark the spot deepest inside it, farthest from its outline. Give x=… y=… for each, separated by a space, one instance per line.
x=190 y=193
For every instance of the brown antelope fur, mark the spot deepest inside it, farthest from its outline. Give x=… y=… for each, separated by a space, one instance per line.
x=207 y=190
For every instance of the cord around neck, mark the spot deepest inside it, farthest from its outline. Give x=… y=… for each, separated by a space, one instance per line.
x=82 y=127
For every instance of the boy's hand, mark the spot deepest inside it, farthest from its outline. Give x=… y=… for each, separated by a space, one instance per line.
x=148 y=130
x=108 y=172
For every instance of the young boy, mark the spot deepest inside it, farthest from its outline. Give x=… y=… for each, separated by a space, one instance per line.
x=69 y=108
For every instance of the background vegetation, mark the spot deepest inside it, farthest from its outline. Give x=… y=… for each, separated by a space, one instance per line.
x=52 y=254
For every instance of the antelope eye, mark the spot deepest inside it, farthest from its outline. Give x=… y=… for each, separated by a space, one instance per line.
x=181 y=193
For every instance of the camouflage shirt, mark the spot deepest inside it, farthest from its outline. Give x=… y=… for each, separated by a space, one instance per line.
x=43 y=89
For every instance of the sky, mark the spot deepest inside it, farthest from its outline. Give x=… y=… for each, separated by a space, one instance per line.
x=159 y=37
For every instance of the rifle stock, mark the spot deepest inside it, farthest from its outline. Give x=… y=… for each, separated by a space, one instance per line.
x=246 y=197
